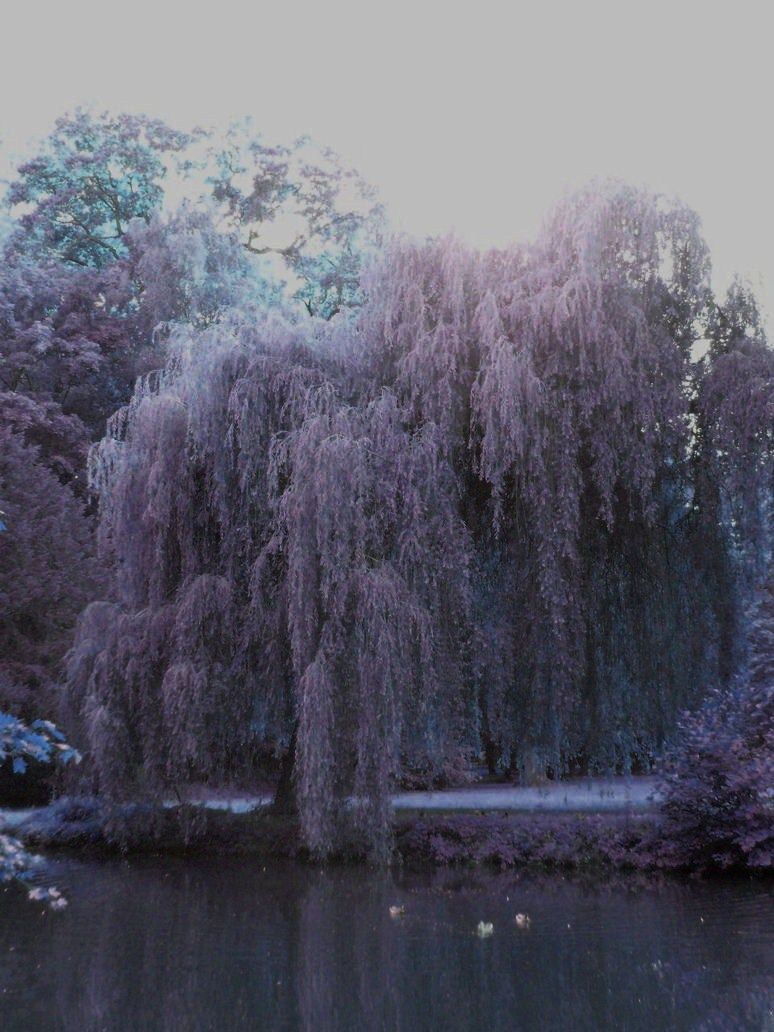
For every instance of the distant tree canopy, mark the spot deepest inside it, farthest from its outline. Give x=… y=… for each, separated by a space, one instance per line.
x=97 y=176
x=503 y=509
x=94 y=175
x=301 y=205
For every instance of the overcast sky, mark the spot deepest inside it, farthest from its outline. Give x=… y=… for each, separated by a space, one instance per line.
x=474 y=118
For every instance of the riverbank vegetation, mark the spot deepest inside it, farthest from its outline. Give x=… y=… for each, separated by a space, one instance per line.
x=20 y=744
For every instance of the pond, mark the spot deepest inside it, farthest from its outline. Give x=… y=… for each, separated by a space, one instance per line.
x=228 y=944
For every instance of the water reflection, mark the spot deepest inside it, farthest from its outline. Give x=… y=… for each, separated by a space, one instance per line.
x=179 y=946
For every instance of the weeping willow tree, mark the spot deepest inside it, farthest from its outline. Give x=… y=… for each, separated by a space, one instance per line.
x=495 y=511
x=290 y=567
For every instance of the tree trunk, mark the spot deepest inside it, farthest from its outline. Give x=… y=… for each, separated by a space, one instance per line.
x=492 y=754
x=285 y=795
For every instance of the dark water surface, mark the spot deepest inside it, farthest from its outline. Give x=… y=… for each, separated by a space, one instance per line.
x=187 y=945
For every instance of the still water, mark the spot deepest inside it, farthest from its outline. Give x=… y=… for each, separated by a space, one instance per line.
x=181 y=945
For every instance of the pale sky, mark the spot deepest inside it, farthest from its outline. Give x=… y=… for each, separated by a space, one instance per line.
x=473 y=117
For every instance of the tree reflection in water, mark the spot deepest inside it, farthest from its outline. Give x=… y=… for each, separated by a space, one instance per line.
x=195 y=945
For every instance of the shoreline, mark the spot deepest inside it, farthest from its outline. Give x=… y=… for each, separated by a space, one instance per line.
x=567 y=840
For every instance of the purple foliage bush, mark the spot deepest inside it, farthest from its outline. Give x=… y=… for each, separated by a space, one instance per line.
x=47 y=574
x=560 y=841
x=719 y=783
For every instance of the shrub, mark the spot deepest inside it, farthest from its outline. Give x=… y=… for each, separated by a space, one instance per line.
x=719 y=781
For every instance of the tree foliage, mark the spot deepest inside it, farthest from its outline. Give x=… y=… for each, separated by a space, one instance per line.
x=499 y=508
x=99 y=177
x=719 y=780
x=70 y=350
x=43 y=742
x=47 y=571
x=94 y=175
x=302 y=205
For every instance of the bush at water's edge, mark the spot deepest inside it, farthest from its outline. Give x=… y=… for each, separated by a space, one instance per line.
x=718 y=785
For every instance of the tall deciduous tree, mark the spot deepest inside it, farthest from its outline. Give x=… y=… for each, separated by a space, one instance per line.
x=94 y=175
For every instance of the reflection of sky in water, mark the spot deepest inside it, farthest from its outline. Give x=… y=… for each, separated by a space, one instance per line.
x=173 y=945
